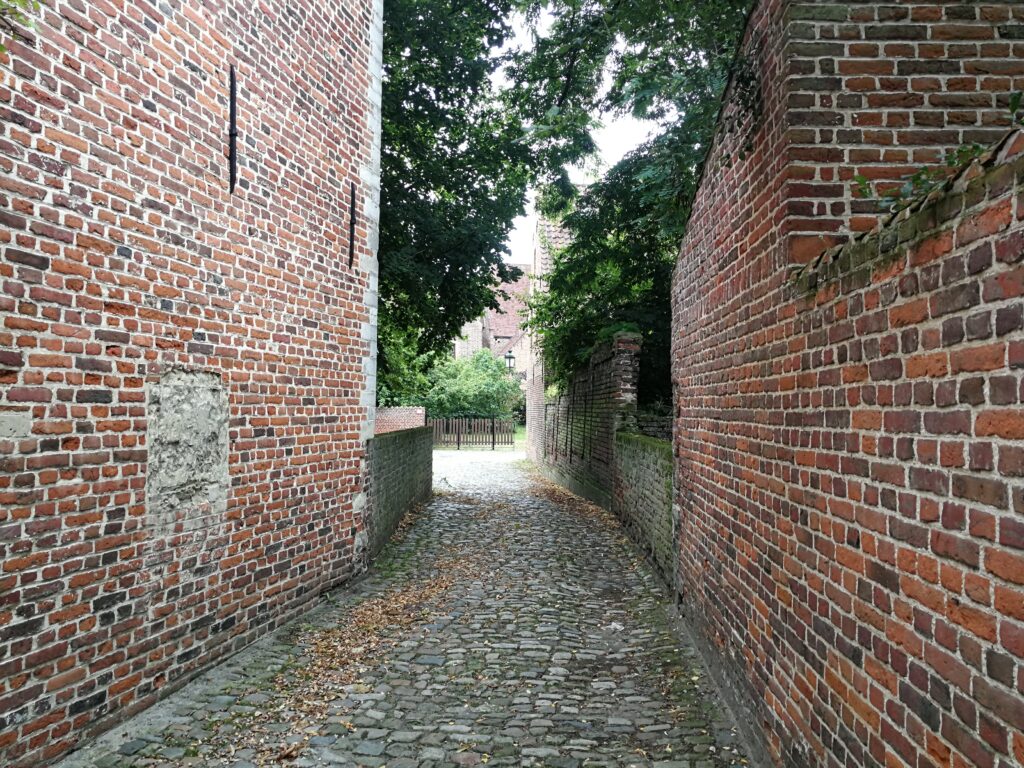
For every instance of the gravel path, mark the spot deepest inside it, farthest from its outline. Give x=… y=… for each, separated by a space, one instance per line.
x=509 y=623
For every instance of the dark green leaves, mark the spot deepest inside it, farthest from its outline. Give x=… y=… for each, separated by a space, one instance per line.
x=668 y=62
x=454 y=167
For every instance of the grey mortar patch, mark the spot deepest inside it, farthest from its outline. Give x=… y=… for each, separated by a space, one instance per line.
x=187 y=477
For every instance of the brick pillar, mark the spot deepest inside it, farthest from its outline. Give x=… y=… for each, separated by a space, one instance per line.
x=626 y=378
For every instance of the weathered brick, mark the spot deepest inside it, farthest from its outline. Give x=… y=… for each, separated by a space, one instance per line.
x=783 y=520
x=125 y=260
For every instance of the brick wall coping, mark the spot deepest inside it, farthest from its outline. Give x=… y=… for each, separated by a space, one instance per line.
x=869 y=248
x=399 y=433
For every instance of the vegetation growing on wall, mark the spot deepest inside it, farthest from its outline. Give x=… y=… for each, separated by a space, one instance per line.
x=14 y=17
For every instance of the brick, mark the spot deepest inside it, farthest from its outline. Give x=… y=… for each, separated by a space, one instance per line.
x=1006 y=565
x=126 y=260
x=1005 y=424
x=862 y=422
x=990 y=492
x=34 y=260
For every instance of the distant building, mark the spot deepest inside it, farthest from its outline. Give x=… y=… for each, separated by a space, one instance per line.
x=500 y=330
x=548 y=239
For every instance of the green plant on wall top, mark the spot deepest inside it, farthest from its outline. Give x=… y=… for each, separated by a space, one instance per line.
x=14 y=18
x=922 y=181
x=913 y=190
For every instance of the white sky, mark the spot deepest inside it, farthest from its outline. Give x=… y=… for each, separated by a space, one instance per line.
x=615 y=138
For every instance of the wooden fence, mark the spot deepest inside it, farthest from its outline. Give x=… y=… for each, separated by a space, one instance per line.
x=473 y=433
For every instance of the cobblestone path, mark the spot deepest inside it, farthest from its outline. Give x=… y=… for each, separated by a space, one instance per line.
x=508 y=624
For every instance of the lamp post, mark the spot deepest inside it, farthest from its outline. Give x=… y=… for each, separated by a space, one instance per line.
x=510 y=361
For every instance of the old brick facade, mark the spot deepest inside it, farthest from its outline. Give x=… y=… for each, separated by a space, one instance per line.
x=548 y=238
x=188 y=374
x=849 y=463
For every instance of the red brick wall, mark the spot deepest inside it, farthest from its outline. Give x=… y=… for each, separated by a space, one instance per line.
x=848 y=465
x=398 y=418
x=580 y=424
x=880 y=89
x=123 y=259
x=535 y=405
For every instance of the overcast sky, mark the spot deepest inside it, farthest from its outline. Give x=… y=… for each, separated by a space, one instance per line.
x=614 y=139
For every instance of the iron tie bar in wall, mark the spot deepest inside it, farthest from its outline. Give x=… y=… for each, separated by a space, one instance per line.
x=352 y=224
x=233 y=133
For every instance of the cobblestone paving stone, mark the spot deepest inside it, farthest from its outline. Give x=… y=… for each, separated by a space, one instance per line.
x=527 y=633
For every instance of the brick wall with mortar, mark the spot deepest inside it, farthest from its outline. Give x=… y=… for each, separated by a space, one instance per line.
x=873 y=89
x=142 y=536
x=848 y=465
x=401 y=468
x=642 y=497
x=548 y=238
x=580 y=424
x=536 y=397
x=398 y=418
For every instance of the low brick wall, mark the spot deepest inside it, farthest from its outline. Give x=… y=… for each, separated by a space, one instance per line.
x=654 y=425
x=642 y=498
x=401 y=474
x=395 y=418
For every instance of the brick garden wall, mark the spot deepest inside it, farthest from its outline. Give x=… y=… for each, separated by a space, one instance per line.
x=401 y=476
x=188 y=374
x=394 y=419
x=535 y=407
x=849 y=464
x=642 y=498
x=593 y=446
x=580 y=424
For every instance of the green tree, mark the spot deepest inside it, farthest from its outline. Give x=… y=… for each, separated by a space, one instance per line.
x=454 y=168
x=475 y=386
x=405 y=380
x=667 y=61
x=459 y=153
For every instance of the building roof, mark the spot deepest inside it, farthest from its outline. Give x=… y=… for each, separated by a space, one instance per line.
x=551 y=237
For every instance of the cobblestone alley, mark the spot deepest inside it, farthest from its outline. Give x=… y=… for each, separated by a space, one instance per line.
x=508 y=624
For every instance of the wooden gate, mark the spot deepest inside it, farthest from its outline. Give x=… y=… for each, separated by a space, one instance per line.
x=471 y=432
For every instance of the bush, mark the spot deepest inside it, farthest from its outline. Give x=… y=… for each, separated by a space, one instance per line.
x=476 y=386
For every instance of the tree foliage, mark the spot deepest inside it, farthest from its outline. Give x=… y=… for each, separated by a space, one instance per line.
x=667 y=62
x=473 y=386
x=459 y=152
x=14 y=17
x=454 y=170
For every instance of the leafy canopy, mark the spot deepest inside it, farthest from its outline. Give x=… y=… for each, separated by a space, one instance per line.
x=666 y=62
x=473 y=386
x=461 y=146
x=460 y=152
